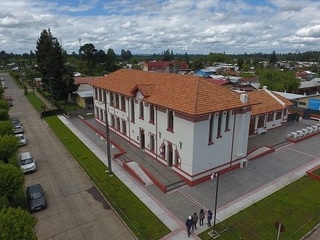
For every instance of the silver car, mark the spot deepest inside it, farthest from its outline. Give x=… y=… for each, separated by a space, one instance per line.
x=27 y=162
x=21 y=139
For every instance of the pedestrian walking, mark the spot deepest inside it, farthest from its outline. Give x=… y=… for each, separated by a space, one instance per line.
x=194 y=221
x=189 y=224
x=209 y=218
x=201 y=217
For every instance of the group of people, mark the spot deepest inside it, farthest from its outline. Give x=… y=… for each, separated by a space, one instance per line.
x=192 y=221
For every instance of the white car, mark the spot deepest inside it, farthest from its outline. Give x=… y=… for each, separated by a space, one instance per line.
x=21 y=139
x=27 y=162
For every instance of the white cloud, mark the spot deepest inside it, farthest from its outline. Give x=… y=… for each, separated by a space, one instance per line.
x=151 y=26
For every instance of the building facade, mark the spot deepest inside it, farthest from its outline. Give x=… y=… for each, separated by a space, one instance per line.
x=185 y=122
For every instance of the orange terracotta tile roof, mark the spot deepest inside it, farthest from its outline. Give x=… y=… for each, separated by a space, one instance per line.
x=268 y=103
x=188 y=94
x=84 y=80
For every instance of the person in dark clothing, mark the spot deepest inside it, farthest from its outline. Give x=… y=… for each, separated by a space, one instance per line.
x=209 y=218
x=194 y=221
x=201 y=217
x=189 y=224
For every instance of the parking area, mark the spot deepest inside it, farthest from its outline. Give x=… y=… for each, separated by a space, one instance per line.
x=75 y=209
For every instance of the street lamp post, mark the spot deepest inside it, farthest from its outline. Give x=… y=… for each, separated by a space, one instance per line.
x=107 y=135
x=215 y=175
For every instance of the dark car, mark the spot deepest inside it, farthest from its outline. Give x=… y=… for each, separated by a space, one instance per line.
x=35 y=197
x=15 y=121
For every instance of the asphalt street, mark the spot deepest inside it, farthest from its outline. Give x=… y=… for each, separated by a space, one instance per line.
x=75 y=209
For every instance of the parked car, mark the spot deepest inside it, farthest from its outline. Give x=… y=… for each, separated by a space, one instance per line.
x=27 y=162
x=15 y=120
x=17 y=129
x=4 y=85
x=21 y=139
x=36 y=197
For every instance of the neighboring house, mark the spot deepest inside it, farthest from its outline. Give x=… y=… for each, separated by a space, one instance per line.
x=271 y=113
x=185 y=122
x=309 y=87
x=37 y=82
x=306 y=75
x=165 y=66
x=84 y=94
x=222 y=83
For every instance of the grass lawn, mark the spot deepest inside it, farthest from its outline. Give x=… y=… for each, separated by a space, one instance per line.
x=317 y=172
x=128 y=206
x=35 y=101
x=296 y=206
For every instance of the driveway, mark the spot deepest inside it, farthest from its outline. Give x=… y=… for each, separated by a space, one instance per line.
x=75 y=209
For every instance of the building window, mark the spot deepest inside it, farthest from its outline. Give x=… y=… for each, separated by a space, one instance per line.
x=211 y=129
x=117 y=100
x=100 y=114
x=111 y=99
x=151 y=114
x=123 y=103
x=95 y=93
x=118 y=124
x=270 y=117
x=152 y=143
x=112 y=121
x=100 y=94
x=278 y=115
x=219 y=125
x=227 y=121
x=124 y=127
x=132 y=111
x=141 y=110
x=170 y=121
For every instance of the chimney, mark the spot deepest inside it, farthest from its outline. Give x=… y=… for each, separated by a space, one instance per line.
x=244 y=98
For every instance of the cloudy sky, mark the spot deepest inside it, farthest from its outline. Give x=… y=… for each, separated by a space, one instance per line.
x=152 y=26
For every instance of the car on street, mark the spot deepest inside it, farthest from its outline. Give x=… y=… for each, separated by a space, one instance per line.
x=36 y=197
x=21 y=139
x=27 y=162
x=17 y=129
x=15 y=120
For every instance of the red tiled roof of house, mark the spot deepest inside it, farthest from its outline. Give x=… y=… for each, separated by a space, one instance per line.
x=161 y=65
x=188 y=94
x=85 y=80
x=268 y=103
x=219 y=82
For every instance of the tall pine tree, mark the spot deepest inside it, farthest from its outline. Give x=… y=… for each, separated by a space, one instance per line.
x=51 y=64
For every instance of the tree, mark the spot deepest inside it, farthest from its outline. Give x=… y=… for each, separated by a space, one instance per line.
x=126 y=55
x=197 y=64
x=16 y=223
x=4 y=114
x=6 y=128
x=51 y=65
x=240 y=63
x=273 y=58
x=278 y=80
x=8 y=147
x=111 y=63
x=87 y=52
x=4 y=104
x=11 y=181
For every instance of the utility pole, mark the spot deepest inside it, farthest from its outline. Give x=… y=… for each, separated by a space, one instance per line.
x=51 y=92
x=107 y=135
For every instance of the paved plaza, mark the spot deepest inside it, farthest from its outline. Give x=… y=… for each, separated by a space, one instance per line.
x=237 y=189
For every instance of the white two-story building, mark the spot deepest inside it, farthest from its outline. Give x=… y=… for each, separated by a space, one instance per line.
x=185 y=122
